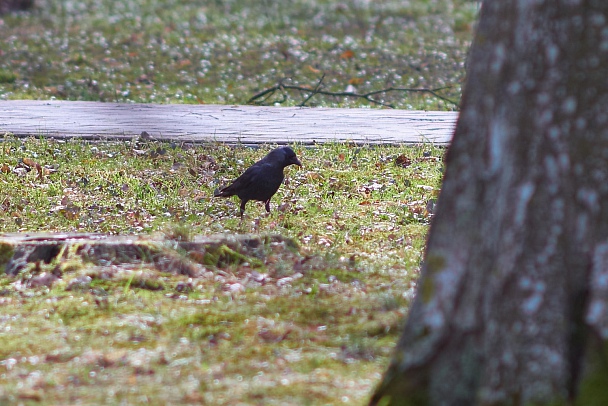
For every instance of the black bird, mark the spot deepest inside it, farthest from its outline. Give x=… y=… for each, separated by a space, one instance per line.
x=261 y=180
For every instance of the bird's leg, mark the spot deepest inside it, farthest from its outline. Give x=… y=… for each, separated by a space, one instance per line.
x=267 y=205
x=243 y=203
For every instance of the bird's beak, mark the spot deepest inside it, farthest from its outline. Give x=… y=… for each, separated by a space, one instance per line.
x=296 y=161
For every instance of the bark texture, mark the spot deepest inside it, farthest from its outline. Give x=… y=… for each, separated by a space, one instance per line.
x=512 y=307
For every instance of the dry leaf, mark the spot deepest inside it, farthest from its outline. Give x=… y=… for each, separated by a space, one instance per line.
x=403 y=161
x=48 y=169
x=348 y=54
x=29 y=162
x=30 y=394
x=70 y=212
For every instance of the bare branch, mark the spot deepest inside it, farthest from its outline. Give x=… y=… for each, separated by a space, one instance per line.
x=317 y=88
x=367 y=96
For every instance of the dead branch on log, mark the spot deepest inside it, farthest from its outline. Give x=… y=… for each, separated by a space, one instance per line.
x=261 y=97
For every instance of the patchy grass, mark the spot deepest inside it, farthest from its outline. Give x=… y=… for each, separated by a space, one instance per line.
x=311 y=324
x=224 y=52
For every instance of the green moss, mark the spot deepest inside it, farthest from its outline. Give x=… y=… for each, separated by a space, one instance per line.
x=593 y=389
x=402 y=394
x=435 y=263
x=224 y=256
x=69 y=266
x=7 y=76
x=427 y=289
x=146 y=282
x=6 y=253
x=332 y=274
x=72 y=313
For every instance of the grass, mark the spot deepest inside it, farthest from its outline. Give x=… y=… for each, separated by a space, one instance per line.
x=169 y=51
x=310 y=327
x=262 y=333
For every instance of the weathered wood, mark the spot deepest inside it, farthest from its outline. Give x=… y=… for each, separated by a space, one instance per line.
x=22 y=251
x=230 y=124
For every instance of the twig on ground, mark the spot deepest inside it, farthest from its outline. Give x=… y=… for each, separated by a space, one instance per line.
x=268 y=93
x=317 y=88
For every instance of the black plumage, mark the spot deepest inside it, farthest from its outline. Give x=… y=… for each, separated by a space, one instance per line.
x=261 y=180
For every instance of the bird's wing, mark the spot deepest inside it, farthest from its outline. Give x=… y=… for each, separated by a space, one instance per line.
x=243 y=181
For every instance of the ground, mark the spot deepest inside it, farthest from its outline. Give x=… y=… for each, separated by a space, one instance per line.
x=169 y=51
x=311 y=320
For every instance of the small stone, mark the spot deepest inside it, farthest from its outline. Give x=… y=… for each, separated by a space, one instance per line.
x=236 y=287
x=79 y=283
x=44 y=279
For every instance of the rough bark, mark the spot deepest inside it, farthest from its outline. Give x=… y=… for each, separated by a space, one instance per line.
x=512 y=307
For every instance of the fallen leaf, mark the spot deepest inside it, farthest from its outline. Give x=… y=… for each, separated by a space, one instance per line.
x=403 y=161
x=48 y=169
x=144 y=79
x=30 y=395
x=71 y=212
x=348 y=54
x=29 y=162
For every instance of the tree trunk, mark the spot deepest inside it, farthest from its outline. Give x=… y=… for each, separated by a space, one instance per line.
x=512 y=305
